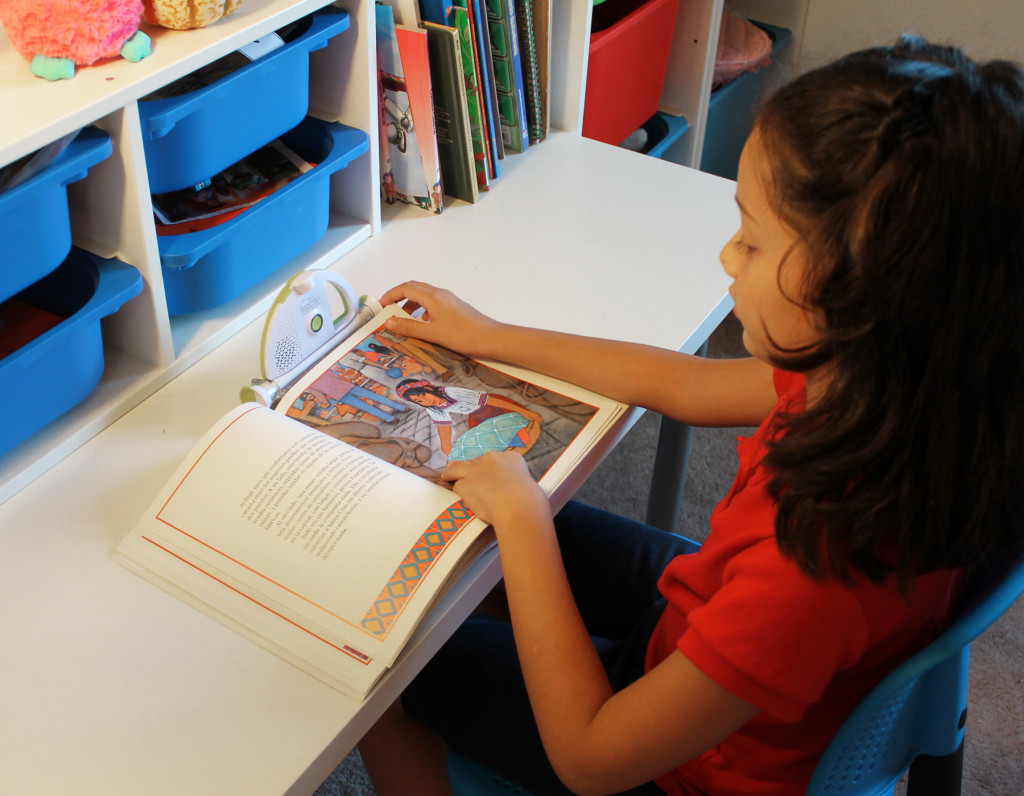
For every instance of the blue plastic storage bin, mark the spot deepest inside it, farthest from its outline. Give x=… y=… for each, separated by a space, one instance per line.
x=209 y=268
x=57 y=370
x=35 y=228
x=190 y=138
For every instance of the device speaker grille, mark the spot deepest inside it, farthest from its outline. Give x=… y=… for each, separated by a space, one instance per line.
x=286 y=348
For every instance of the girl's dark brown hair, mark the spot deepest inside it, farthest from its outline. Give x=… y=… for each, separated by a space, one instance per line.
x=902 y=169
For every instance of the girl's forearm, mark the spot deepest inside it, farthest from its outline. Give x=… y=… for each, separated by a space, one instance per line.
x=621 y=371
x=692 y=389
x=564 y=677
x=599 y=741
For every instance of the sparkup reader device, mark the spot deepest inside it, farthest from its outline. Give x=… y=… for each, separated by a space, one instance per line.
x=314 y=311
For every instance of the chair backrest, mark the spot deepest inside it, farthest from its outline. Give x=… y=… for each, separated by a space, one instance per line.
x=920 y=707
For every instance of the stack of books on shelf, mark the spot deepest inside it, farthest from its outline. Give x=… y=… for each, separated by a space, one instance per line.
x=462 y=84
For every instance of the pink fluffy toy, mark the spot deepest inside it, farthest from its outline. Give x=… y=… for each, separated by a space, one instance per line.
x=57 y=35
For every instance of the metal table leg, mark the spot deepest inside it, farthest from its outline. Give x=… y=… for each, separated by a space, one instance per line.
x=675 y=440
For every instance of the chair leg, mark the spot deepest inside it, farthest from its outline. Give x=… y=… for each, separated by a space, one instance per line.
x=936 y=776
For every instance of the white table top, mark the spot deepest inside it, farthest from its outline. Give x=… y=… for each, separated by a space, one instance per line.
x=111 y=686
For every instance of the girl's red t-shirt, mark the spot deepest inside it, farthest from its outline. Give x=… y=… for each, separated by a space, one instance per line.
x=804 y=651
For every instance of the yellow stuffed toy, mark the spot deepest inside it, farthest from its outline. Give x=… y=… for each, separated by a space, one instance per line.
x=185 y=14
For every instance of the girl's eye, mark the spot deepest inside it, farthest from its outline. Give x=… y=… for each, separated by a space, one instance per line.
x=743 y=248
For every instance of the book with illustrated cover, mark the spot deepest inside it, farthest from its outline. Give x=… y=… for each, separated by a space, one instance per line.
x=451 y=113
x=414 y=176
x=321 y=529
x=415 y=53
x=238 y=187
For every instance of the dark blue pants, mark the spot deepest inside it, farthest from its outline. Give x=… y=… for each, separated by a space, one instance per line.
x=472 y=693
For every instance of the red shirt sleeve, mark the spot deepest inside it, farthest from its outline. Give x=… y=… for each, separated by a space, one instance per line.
x=771 y=635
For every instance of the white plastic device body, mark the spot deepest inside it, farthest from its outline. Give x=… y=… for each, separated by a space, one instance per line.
x=314 y=311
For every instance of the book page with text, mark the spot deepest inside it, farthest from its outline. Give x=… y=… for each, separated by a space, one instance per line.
x=309 y=526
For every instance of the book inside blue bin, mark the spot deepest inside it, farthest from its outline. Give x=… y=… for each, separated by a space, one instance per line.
x=208 y=268
x=51 y=341
x=198 y=126
x=35 y=227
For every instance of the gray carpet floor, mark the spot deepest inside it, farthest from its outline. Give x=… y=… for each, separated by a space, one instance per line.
x=994 y=751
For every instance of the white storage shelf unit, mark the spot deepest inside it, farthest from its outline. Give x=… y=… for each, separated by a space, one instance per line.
x=111 y=212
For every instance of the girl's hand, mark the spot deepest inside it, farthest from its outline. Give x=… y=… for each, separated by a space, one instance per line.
x=446 y=319
x=497 y=486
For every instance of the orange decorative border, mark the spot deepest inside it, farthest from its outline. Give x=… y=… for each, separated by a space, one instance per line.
x=406 y=579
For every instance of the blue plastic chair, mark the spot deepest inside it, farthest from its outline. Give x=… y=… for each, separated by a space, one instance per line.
x=915 y=718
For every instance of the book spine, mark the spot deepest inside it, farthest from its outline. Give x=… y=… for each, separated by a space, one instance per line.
x=465 y=125
x=451 y=114
x=507 y=82
x=386 y=57
x=459 y=19
x=531 y=70
x=479 y=18
x=522 y=139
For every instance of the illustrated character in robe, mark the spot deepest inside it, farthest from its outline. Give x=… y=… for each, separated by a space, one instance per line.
x=496 y=423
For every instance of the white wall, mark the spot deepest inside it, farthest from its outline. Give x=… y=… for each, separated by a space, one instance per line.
x=983 y=28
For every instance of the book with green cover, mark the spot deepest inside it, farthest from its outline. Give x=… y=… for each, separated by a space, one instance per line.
x=459 y=19
x=508 y=74
x=451 y=113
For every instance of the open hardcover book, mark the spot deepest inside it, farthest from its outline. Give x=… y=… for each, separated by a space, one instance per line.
x=321 y=529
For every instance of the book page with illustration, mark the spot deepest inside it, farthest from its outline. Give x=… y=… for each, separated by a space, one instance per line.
x=420 y=405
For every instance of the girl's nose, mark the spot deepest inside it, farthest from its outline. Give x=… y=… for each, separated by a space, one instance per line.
x=728 y=256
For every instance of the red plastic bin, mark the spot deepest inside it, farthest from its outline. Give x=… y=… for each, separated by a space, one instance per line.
x=627 y=67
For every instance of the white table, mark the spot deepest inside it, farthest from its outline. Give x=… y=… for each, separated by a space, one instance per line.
x=110 y=686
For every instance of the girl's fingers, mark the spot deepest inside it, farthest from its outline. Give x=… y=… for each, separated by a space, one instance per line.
x=455 y=471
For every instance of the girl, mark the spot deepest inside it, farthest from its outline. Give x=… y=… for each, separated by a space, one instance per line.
x=877 y=273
